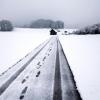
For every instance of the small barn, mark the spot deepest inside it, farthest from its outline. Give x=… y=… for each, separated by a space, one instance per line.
x=53 y=32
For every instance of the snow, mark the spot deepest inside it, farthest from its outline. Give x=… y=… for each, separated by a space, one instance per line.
x=83 y=54
x=69 y=31
x=35 y=84
x=16 y=44
x=82 y=51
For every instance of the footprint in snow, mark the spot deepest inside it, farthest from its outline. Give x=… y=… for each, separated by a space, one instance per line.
x=38 y=67
x=38 y=73
x=25 y=79
x=44 y=58
x=23 y=93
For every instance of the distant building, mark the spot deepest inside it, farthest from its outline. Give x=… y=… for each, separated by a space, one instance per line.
x=53 y=32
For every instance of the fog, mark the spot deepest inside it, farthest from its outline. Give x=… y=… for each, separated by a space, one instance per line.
x=74 y=13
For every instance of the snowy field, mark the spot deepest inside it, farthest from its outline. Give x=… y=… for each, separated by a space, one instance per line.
x=83 y=54
x=16 y=44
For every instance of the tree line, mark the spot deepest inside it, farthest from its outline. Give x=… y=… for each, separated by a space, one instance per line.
x=6 y=25
x=94 y=29
x=41 y=23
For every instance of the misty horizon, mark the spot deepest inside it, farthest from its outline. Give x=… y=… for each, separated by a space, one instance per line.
x=75 y=14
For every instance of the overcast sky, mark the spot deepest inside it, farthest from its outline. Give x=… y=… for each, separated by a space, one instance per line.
x=74 y=13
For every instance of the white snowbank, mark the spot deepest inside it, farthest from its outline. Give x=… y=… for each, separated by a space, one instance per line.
x=16 y=44
x=83 y=54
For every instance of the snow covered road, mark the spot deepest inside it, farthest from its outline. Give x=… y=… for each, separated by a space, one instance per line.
x=44 y=74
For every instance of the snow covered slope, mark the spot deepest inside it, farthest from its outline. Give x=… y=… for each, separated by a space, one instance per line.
x=83 y=54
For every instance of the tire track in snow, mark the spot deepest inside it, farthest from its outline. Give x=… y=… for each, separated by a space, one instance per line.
x=69 y=88
x=57 y=94
x=18 y=72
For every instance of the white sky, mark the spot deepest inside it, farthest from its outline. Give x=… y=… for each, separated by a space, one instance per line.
x=75 y=13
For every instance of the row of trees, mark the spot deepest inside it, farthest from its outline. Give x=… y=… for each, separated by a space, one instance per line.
x=41 y=23
x=6 y=25
x=95 y=29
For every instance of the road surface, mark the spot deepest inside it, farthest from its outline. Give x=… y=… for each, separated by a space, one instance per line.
x=43 y=74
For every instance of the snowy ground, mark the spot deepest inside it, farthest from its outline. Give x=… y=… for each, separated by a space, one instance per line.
x=83 y=54
x=29 y=77
x=16 y=44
